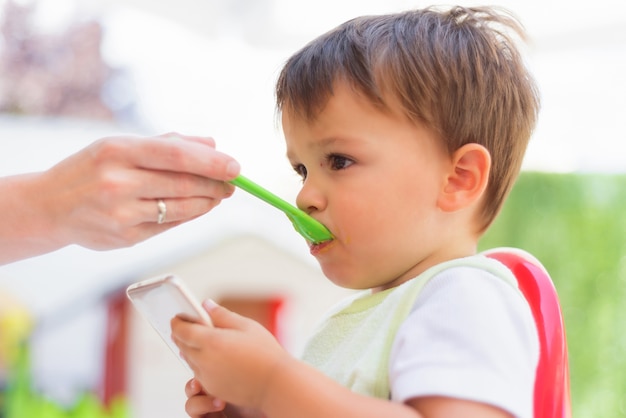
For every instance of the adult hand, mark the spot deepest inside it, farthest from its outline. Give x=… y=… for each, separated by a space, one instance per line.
x=106 y=195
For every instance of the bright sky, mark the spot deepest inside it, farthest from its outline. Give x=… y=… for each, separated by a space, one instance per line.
x=578 y=55
x=221 y=86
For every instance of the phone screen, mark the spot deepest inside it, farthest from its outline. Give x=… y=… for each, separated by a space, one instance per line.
x=161 y=299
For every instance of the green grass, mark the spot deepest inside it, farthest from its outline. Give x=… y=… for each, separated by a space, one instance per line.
x=576 y=225
x=21 y=401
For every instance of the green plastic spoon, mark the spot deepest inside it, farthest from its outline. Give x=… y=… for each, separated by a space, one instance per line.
x=308 y=227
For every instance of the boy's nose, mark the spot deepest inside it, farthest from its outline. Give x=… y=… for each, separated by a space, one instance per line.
x=310 y=198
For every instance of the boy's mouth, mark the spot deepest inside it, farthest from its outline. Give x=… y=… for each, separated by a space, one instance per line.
x=318 y=247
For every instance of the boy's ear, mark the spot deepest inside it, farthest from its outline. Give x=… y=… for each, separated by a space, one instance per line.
x=467 y=179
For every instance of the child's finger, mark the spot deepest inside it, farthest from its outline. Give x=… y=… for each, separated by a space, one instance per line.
x=199 y=405
x=192 y=388
x=224 y=318
x=186 y=333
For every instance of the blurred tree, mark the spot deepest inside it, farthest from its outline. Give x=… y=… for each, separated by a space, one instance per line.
x=575 y=224
x=52 y=74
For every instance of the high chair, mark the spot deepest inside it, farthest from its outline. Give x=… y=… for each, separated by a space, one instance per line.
x=552 y=392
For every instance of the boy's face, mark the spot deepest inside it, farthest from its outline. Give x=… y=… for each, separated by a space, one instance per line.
x=373 y=178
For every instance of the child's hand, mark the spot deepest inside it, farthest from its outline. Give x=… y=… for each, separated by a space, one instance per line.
x=233 y=361
x=201 y=405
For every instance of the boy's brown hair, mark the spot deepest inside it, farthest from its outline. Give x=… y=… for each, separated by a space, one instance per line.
x=455 y=70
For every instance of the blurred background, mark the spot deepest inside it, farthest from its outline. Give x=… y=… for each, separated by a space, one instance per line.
x=73 y=71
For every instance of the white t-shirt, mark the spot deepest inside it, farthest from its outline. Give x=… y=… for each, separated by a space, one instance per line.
x=452 y=345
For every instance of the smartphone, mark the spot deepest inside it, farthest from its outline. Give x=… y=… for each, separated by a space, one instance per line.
x=160 y=299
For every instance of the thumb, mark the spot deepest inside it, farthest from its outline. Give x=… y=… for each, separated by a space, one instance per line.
x=222 y=317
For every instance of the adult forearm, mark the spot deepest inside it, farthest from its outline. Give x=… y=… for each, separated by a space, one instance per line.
x=25 y=229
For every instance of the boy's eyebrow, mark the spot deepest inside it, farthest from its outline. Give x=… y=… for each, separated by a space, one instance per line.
x=322 y=143
x=326 y=143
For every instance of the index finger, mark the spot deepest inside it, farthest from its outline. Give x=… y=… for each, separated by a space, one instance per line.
x=186 y=156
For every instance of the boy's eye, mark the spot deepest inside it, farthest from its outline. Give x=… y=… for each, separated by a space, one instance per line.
x=339 y=162
x=301 y=170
